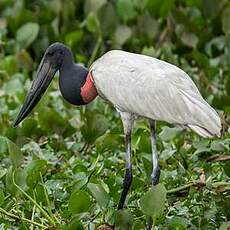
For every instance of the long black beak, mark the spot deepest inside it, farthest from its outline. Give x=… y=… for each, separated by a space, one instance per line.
x=45 y=74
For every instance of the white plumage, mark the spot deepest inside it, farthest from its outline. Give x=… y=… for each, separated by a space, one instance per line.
x=148 y=87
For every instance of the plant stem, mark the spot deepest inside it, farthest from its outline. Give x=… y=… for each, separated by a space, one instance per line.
x=95 y=50
x=221 y=183
x=218 y=157
x=47 y=198
x=34 y=202
x=197 y=183
x=154 y=222
x=174 y=190
x=32 y=217
x=13 y=216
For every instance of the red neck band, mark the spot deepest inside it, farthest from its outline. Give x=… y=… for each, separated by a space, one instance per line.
x=88 y=90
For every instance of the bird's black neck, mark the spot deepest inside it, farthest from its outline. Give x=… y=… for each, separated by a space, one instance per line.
x=72 y=78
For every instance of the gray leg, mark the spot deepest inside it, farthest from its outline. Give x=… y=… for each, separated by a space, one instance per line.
x=128 y=173
x=155 y=176
x=127 y=120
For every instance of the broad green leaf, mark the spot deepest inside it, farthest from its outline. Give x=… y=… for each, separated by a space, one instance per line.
x=210 y=8
x=217 y=145
x=200 y=58
x=148 y=26
x=99 y=194
x=220 y=102
x=108 y=141
x=73 y=37
x=178 y=223
x=138 y=224
x=80 y=183
x=153 y=202
x=13 y=87
x=142 y=141
x=14 y=151
x=29 y=127
x=225 y=226
x=34 y=172
x=27 y=34
x=204 y=143
x=217 y=43
x=79 y=202
x=126 y=10
x=122 y=34
x=149 y=51
x=92 y=23
x=159 y=8
x=9 y=64
x=166 y=154
x=40 y=193
x=26 y=60
x=75 y=224
x=52 y=122
x=93 y=5
x=54 y=5
x=123 y=219
x=95 y=125
x=80 y=178
x=167 y=134
x=19 y=177
x=108 y=18
x=189 y=39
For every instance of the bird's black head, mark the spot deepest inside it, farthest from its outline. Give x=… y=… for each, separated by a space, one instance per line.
x=55 y=54
x=50 y=63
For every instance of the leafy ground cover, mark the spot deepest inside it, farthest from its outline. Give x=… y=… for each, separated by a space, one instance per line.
x=63 y=167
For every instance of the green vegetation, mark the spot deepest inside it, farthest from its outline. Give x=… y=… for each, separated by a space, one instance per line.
x=64 y=166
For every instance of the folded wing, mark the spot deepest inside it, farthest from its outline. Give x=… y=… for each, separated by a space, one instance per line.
x=154 y=89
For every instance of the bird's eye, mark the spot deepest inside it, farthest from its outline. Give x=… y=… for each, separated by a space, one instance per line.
x=50 y=53
x=61 y=52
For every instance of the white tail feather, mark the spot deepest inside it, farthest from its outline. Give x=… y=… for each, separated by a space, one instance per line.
x=208 y=123
x=202 y=132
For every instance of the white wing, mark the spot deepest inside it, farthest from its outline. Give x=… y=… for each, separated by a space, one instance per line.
x=154 y=89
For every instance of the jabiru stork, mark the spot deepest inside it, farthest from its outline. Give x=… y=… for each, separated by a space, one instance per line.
x=138 y=86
